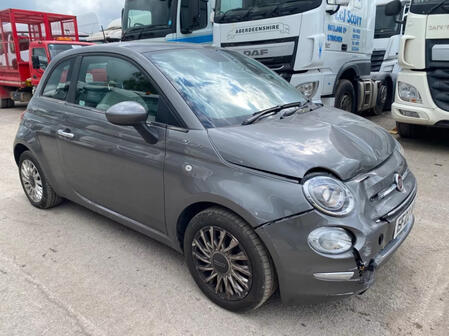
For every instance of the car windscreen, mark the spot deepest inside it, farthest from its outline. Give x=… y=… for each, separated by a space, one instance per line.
x=223 y=87
x=239 y=10
x=56 y=48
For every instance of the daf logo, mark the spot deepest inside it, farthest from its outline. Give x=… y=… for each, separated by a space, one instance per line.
x=399 y=181
x=255 y=52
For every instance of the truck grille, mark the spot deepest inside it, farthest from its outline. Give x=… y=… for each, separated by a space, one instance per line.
x=376 y=60
x=439 y=87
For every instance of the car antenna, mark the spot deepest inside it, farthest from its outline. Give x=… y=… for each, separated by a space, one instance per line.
x=104 y=35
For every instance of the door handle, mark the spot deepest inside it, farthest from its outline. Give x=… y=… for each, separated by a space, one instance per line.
x=66 y=134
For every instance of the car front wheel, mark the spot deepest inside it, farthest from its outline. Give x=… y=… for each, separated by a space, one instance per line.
x=228 y=261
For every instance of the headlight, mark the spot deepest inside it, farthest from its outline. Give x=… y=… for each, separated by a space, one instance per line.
x=330 y=240
x=329 y=195
x=308 y=89
x=409 y=93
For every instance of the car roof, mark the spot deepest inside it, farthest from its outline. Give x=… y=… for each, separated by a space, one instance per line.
x=141 y=47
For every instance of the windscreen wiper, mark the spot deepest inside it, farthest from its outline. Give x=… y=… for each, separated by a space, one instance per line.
x=271 y=111
x=434 y=8
x=232 y=11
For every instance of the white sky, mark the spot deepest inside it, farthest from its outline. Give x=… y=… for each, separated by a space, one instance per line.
x=106 y=10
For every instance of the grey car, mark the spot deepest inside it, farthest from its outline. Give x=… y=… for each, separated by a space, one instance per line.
x=215 y=155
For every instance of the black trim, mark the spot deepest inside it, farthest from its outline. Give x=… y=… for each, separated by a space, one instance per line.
x=377 y=59
x=438 y=79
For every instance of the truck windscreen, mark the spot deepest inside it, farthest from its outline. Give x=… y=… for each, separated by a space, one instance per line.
x=147 y=14
x=246 y=10
x=427 y=7
x=386 y=26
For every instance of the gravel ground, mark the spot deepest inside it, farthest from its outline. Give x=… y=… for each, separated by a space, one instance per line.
x=69 y=271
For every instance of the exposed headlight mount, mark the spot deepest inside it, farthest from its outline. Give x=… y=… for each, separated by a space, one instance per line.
x=308 y=89
x=409 y=93
x=329 y=195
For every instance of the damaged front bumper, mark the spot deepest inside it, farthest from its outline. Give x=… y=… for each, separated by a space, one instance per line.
x=306 y=276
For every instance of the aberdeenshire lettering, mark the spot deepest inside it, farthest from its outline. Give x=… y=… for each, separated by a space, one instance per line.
x=257 y=29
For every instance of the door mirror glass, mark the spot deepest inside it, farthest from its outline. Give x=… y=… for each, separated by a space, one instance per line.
x=127 y=113
x=393 y=8
x=36 y=62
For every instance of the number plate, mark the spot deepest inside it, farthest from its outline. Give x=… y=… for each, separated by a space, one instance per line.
x=403 y=220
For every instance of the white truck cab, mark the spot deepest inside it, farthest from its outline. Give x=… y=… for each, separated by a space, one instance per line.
x=167 y=20
x=384 y=60
x=323 y=47
x=422 y=93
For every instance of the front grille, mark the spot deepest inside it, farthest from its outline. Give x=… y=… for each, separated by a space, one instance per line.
x=376 y=60
x=439 y=87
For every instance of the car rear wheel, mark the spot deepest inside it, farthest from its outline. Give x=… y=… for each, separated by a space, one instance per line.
x=228 y=261
x=35 y=184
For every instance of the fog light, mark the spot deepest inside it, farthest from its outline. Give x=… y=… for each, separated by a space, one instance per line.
x=308 y=89
x=410 y=114
x=330 y=240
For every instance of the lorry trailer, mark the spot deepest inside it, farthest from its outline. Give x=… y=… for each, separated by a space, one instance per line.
x=28 y=41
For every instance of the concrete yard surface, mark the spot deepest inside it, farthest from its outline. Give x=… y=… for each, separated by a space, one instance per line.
x=69 y=271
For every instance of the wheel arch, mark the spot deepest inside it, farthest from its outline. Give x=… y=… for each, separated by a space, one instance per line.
x=19 y=149
x=191 y=211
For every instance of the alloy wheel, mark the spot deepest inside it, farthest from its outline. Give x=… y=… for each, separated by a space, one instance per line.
x=222 y=262
x=31 y=180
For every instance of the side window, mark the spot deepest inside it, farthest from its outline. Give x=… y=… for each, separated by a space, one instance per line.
x=58 y=83
x=105 y=81
x=43 y=60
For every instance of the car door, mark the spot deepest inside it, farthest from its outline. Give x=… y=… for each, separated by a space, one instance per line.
x=109 y=166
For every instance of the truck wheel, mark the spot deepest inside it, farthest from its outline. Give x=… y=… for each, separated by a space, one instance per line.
x=408 y=130
x=382 y=99
x=228 y=261
x=345 y=98
x=4 y=103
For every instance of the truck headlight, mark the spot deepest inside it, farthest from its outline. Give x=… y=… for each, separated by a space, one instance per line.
x=409 y=93
x=308 y=89
x=329 y=195
x=330 y=240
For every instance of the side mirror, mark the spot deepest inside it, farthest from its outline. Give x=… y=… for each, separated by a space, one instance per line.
x=342 y=3
x=126 y=113
x=35 y=62
x=130 y=113
x=393 y=8
x=187 y=16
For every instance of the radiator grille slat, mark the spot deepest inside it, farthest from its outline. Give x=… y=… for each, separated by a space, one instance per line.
x=439 y=87
x=376 y=60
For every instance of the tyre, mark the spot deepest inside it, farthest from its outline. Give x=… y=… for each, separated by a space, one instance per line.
x=4 y=103
x=345 y=98
x=228 y=261
x=407 y=130
x=382 y=99
x=11 y=103
x=35 y=184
